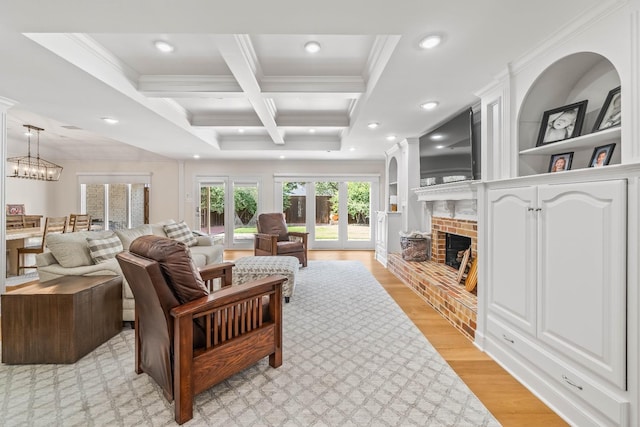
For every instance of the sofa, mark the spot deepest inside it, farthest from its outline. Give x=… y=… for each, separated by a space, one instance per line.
x=92 y=253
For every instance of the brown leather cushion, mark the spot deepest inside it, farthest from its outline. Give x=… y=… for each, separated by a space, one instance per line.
x=273 y=223
x=176 y=264
x=289 y=247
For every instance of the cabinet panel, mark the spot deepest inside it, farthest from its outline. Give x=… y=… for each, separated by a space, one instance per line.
x=582 y=259
x=511 y=272
x=580 y=388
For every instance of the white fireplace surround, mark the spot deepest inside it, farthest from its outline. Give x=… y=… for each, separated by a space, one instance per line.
x=453 y=200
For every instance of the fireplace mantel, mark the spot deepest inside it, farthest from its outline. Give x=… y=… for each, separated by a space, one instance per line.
x=464 y=190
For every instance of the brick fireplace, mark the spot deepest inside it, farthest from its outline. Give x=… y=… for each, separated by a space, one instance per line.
x=440 y=226
x=448 y=208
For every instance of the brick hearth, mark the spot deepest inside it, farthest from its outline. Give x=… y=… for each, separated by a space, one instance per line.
x=435 y=283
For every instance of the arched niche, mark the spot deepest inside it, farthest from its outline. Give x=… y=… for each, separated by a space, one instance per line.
x=392 y=172
x=574 y=78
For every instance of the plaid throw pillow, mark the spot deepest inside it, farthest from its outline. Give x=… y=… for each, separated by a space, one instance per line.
x=181 y=233
x=105 y=248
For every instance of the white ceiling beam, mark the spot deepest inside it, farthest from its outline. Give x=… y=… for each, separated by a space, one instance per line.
x=312 y=119
x=178 y=86
x=298 y=143
x=321 y=86
x=237 y=52
x=226 y=120
x=379 y=57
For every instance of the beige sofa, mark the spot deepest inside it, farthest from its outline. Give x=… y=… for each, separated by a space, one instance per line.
x=68 y=254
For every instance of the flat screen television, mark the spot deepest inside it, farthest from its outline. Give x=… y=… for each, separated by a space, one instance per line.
x=451 y=151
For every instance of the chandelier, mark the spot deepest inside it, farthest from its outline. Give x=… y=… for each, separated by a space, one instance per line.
x=33 y=167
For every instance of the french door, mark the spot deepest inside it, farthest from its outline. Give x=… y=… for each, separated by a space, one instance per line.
x=228 y=209
x=335 y=211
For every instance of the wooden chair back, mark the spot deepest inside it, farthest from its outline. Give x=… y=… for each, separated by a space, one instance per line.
x=79 y=222
x=51 y=225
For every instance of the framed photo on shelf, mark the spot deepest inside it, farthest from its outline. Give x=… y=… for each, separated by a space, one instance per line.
x=15 y=209
x=560 y=162
x=610 y=112
x=561 y=123
x=601 y=155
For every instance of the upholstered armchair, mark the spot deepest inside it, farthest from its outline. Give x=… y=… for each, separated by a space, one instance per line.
x=273 y=238
x=188 y=338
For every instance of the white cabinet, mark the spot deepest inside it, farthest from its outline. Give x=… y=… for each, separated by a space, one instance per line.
x=512 y=267
x=388 y=227
x=556 y=293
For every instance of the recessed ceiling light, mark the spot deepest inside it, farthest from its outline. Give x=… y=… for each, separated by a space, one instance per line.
x=312 y=131
x=240 y=130
x=430 y=41
x=282 y=157
x=163 y=46
x=391 y=138
x=110 y=120
x=373 y=125
x=352 y=149
x=196 y=156
x=439 y=146
x=312 y=47
x=429 y=105
x=437 y=136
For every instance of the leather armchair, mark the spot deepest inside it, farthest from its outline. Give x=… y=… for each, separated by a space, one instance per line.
x=188 y=339
x=274 y=239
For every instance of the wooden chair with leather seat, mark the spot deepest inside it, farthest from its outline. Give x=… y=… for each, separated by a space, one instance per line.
x=188 y=339
x=79 y=222
x=51 y=225
x=273 y=238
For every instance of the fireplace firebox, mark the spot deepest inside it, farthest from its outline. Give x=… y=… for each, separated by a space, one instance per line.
x=454 y=245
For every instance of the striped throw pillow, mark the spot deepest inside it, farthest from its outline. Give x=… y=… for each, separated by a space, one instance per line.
x=180 y=232
x=104 y=249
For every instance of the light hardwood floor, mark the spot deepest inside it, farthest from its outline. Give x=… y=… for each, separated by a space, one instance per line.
x=510 y=402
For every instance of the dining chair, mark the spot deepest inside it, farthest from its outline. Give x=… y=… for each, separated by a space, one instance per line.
x=51 y=225
x=79 y=222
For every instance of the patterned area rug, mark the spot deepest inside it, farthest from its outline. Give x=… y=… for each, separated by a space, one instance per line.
x=351 y=358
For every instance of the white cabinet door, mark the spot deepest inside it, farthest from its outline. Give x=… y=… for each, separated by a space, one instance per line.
x=511 y=270
x=581 y=304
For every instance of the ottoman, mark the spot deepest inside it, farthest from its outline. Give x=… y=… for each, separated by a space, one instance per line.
x=259 y=267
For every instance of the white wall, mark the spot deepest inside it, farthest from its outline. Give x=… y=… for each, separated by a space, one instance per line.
x=34 y=195
x=62 y=198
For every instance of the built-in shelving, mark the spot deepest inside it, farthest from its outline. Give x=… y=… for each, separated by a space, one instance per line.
x=583 y=76
x=590 y=140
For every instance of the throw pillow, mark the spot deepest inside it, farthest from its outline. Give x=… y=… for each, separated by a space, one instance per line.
x=105 y=248
x=71 y=249
x=180 y=232
x=128 y=235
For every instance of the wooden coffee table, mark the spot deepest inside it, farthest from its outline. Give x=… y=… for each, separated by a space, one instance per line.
x=60 y=320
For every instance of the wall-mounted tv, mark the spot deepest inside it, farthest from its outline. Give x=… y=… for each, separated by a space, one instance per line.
x=451 y=151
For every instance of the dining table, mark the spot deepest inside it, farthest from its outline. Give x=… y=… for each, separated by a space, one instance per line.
x=18 y=238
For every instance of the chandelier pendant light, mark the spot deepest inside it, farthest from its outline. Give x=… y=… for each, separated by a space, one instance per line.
x=28 y=167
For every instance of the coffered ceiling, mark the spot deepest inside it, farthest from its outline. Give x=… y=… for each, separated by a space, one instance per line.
x=239 y=83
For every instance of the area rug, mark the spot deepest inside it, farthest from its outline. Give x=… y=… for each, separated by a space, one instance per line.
x=351 y=357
